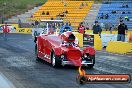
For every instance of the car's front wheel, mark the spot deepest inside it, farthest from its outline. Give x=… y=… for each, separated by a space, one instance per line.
x=55 y=60
x=93 y=59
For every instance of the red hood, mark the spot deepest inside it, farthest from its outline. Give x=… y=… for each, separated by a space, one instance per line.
x=76 y=62
x=75 y=57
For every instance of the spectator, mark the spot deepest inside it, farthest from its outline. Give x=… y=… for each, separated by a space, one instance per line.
x=86 y=4
x=32 y=24
x=47 y=13
x=3 y=19
x=52 y=18
x=51 y=26
x=124 y=5
x=81 y=28
x=102 y=25
x=128 y=12
x=106 y=26
x=62 y=14
x=51 y=31
x=80 y=7
x=62 y=24
x=43 y=13
x=114 y=12
x=69 y=23
x=97 y=29
x=106 y=16
x=82 y=4
x=102 y=16
x=87 y=26
x=57 y=26
x=31 y=16
x=65 y=4
x=120 y=18
x=126 y=18
x=122 y=30
x=66 y=12
x=1 y=28
x=58 y=17
x=110 y=27
x=123 y=12
x=65 y=28
x=36 y=24
x=19 y=22
x=5 y=31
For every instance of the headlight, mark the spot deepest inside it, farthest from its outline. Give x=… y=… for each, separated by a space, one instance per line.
x=85 y=56
x=62 y=56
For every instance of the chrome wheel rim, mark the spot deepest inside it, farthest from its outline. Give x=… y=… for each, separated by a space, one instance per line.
x=53 y=60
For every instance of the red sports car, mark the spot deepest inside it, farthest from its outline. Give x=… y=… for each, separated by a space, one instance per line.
x=62 y=50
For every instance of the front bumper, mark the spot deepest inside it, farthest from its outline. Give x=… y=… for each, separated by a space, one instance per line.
x=84 y=63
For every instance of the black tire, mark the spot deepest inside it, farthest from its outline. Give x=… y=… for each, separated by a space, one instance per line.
x=36 y=53
x=55 y=60
x=93 y=58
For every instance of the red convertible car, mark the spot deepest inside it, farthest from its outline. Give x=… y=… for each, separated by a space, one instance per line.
x=60 y=50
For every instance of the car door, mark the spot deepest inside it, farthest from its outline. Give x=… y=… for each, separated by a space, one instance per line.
x=47 y=48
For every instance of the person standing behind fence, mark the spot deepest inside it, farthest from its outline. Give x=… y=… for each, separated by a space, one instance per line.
x=36 y=24
x=122 y=29
x=5 y=31
x=110 y=26
x=19 y=22
x=81 y=28
x=97 y=29
x=111 y=29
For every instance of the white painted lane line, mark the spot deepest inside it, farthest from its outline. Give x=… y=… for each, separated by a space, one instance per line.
x=116 y=54
x=129 y=56
x=121 y=55
x=4 y=82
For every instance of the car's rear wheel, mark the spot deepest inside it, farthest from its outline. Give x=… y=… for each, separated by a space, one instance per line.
x=93 y=58
x=36 y=53
x=55 y=60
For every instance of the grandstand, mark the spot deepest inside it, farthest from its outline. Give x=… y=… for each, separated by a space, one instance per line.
x=120 y=12
x=76 y=11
